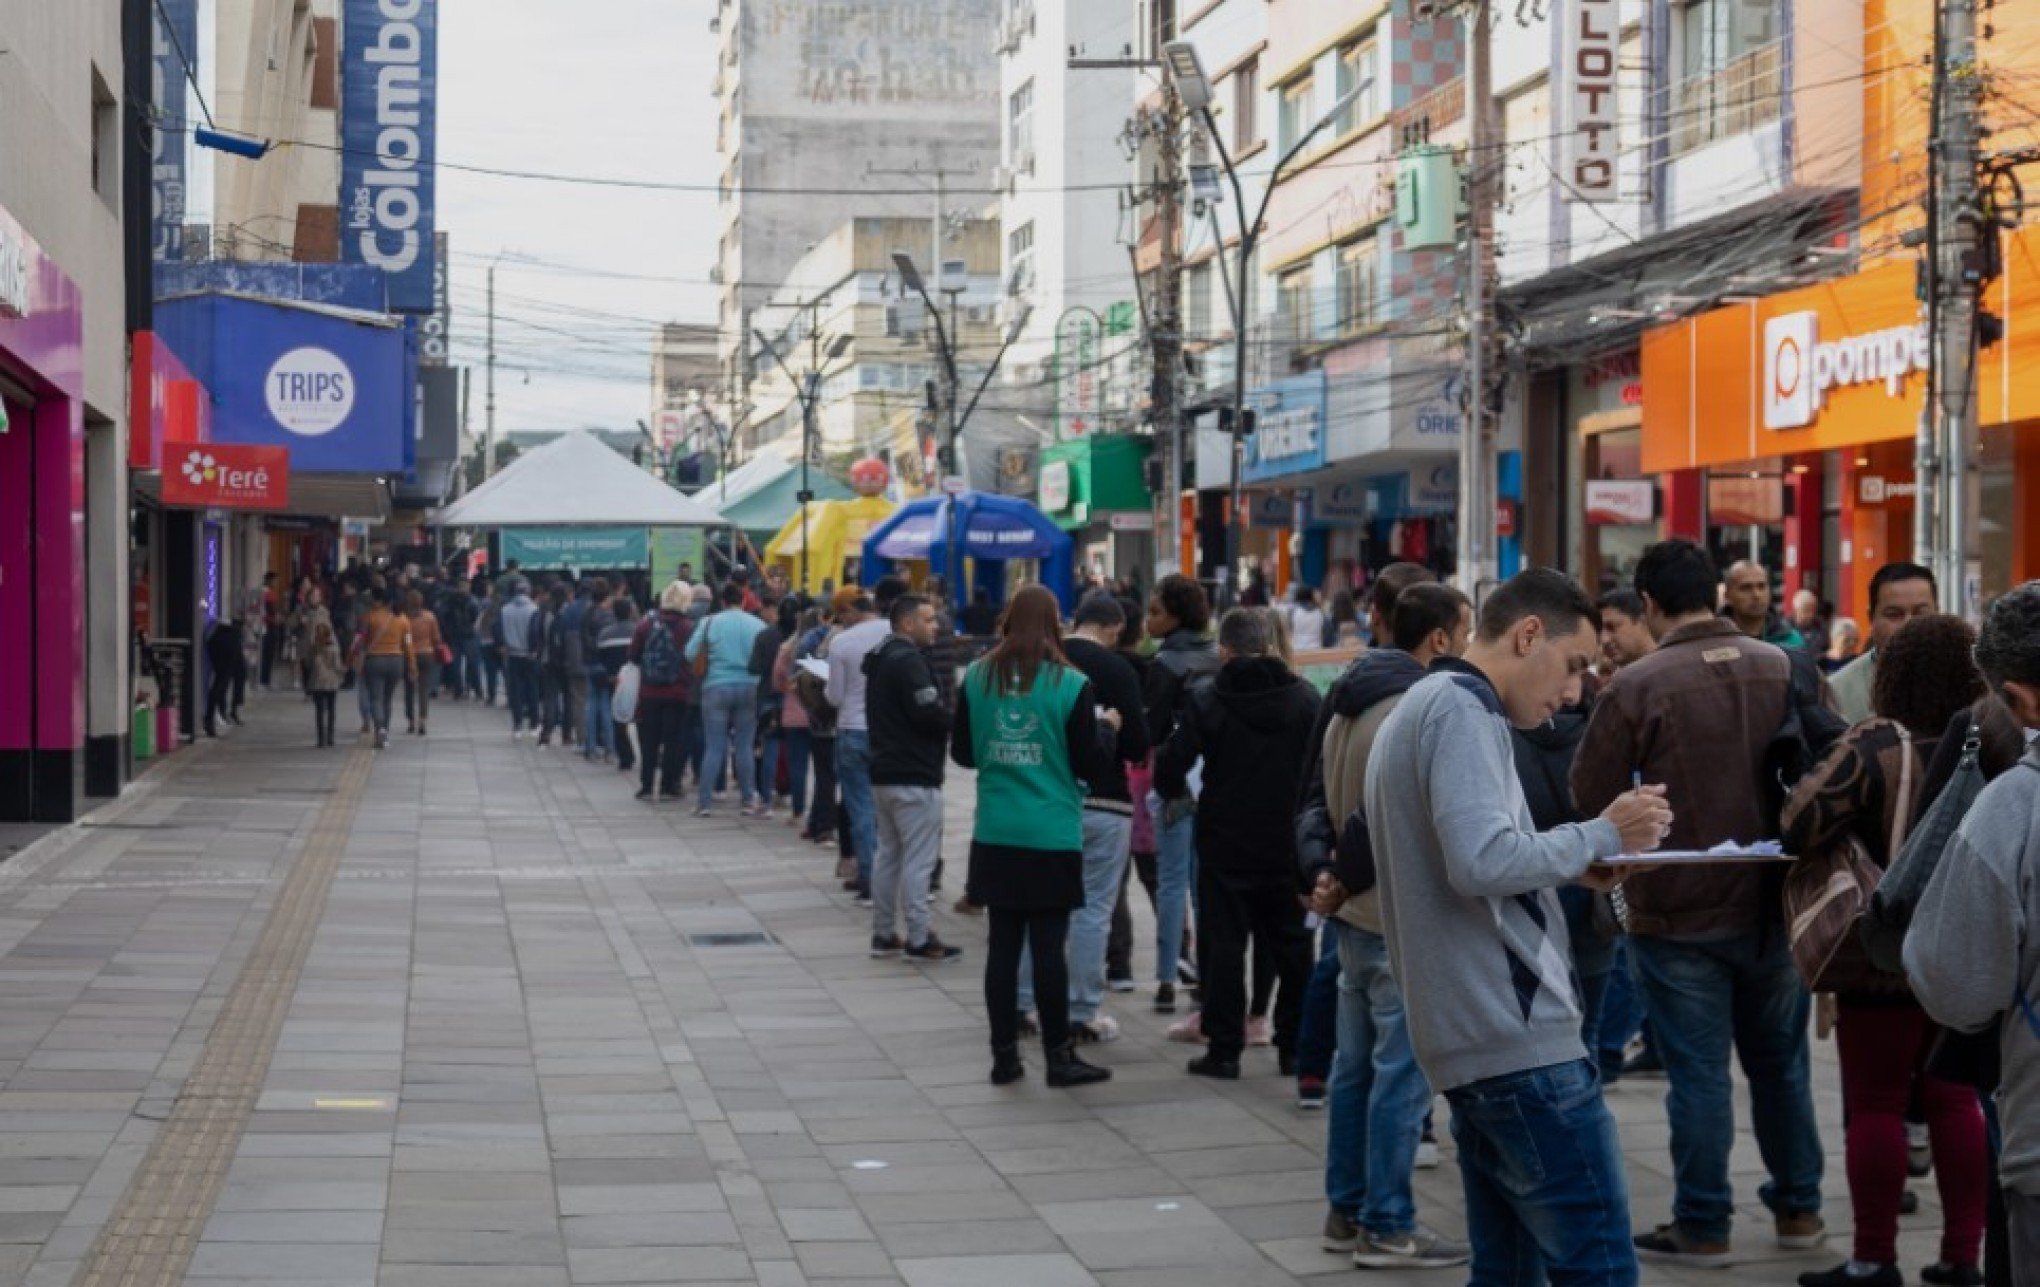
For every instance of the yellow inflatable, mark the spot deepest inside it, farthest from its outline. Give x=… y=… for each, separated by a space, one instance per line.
x=836 y=532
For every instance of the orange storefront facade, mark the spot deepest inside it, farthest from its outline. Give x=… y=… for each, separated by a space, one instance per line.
x=1814 y=396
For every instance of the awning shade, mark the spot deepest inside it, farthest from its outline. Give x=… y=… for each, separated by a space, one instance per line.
x=575 y=481
x=768 y=508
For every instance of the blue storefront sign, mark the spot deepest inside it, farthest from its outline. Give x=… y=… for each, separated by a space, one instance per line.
x=173 y=63
x=389 y=79
x=1289 y=428
x=338 y=390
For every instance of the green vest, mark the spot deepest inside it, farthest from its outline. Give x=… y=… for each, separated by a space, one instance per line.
x=1027 y=796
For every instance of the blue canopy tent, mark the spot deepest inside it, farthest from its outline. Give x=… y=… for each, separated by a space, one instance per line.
x=995 y=530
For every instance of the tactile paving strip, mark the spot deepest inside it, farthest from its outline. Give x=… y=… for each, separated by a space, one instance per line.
x=155 y=1227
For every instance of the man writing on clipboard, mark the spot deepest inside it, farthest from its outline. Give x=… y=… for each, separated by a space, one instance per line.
x=1701 y=716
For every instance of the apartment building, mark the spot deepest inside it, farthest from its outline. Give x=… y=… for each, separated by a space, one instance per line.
x=276 y=72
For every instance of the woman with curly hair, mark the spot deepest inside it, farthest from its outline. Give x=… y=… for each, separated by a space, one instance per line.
x=1869 y=780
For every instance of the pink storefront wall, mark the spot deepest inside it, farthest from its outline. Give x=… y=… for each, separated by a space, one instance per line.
x=42 y=470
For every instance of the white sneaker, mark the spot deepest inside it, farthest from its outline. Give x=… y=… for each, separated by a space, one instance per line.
x=1101 y=1028
x=1427 y=1155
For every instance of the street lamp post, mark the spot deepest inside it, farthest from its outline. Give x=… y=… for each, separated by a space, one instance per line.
x=1193 y=87
x=952 y=569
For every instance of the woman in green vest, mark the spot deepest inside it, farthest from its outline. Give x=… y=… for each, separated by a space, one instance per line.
x=1027 y=721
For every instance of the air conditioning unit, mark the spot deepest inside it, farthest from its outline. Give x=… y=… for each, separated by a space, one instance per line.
x=903 y=320
x=1024 y=163
x=1003 y=179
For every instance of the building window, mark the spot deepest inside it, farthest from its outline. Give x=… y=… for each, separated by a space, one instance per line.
x=1292 y=305
x=105 y=141
x=1359 y=67
x=1294 y=116
x=1020 y=124
x=1020 y=259
x=1731 y=68
x=1246 y=84
x=1359 y=282
x=1197 y=302
x=1162 y=22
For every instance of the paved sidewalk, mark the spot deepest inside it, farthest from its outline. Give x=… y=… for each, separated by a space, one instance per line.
x=545 y=1034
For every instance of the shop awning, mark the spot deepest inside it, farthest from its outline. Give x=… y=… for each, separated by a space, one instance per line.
x=1084 y=478
x=575 y=481
x=312 y=495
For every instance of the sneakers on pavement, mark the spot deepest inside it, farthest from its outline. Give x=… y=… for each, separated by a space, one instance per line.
x=1100 y=1029
x=1260 y=1032
x=1943 y=1274
x=1165 y=998
x=1310 y=1092
x=1670 y=1244
x=1120 y=985
x=886 y=945
x=1209 y=1065
x=1852 y=1274
x=1427 y=1155
x=1189 y=1029
x=932 y=952
x=1801 y=1230
x=1421 y=1249
x=1342 y=1232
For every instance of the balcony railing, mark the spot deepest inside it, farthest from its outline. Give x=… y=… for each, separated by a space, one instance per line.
x=1735 y=100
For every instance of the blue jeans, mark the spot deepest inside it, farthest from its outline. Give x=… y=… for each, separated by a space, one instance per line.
x=520 y=679
x=1621 y=1012
x=1317 y=1033
x=729 y=719
x=492 y=671
x=1106 y=837
x=598 y=730
x=853 y=778
x=1378 y=1094
x=1175 y=877
x=798 y=747
x=1704 y=998
x=1546 y=1199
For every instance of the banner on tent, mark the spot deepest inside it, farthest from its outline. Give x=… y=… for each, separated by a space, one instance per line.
x=575 y=549
x=672 y=547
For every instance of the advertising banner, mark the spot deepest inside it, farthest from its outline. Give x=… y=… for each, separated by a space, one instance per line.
x=435 y=333
x=575 y=549
x=174 y=47
x=1621 y=502
x=220 y=476
x=672 y=547
x=389 y=89
x=1289 y=428
x=1589 y=148
x=1077 y=374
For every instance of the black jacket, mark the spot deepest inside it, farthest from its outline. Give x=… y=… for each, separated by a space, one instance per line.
x=1117 y=687
x=1544 y=757
x=1183 y=657
x=1250 y=724
x=1373 y=677
x=904 y=710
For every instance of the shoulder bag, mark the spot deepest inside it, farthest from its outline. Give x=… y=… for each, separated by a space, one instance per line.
x=1827 y=893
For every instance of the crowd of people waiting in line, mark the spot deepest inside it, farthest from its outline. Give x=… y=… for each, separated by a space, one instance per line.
x=1464 y=822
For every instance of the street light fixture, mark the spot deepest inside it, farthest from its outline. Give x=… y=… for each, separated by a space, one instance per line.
x=1193 y=87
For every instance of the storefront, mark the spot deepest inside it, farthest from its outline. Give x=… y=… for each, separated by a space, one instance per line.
x=1095 y=488
x=42 y=533
x=1786 y=426
x=168 y=409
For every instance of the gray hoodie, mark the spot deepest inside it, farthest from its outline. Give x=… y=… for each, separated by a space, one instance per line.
x=1469 y=888
x=1975 y=940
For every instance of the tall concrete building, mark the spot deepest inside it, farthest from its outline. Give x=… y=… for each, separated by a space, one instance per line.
x=852 y=108
x=277 y=77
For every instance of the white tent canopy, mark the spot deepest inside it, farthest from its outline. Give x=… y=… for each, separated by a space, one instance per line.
x=575 y=481
x=745 y=481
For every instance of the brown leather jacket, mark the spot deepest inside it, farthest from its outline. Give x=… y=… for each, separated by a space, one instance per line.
x=1697 y=715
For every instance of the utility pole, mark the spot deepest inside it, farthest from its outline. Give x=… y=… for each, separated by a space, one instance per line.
x=489 y=427
x=1165 y=333
x=1960 y=257
x=1476 y=557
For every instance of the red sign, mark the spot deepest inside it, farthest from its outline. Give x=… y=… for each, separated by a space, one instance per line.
x=1505 y=518
x=224 y=476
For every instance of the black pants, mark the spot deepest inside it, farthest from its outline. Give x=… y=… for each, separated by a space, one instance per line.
x=322 y=716
x=822 y=804
x=1232 y=911
x=272 y=647
x=1046 y=933
x=218 y=693
x=661 y=722
x=626 y=758
x=1119 y=943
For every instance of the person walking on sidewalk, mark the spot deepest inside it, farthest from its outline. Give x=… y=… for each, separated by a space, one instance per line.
x=861 y=630
x=1379 y=1097
x=1027 y=721
x=1494 y=1017
x=320 y=650
x=598 y=728
x=388 y=660
x=1869 y=787
x=909 y=724
x=517 y=631
x=426 y=641
x=1251 y=727
x=489 y=643
x=612 y=651
x=794 y=722
x=721 y=651
x=1699 y=716
x=665 y=689
x=1179 y=620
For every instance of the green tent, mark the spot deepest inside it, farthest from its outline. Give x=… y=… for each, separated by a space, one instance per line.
x=761 y=514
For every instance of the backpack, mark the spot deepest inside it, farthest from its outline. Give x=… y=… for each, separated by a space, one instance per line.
x=1828 y=892
x=660 y=660
x=813 y=693
x=1897 y=894
x=1802 y=738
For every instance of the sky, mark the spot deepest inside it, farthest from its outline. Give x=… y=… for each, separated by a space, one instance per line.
x=614 y=88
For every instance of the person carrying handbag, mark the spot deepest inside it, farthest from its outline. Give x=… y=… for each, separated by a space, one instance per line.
x=1848 y=818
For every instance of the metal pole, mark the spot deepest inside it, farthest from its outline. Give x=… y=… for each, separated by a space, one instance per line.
x=1959 y=224
x=489 y=451
x=1477 y=493
x=807 y=449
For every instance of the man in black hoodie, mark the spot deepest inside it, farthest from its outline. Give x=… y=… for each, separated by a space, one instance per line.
x=1251 y=726
x=909 y=728
x=1179 y=620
